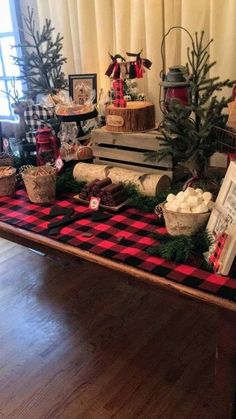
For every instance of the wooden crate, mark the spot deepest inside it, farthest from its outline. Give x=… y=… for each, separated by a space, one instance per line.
x=129 y=151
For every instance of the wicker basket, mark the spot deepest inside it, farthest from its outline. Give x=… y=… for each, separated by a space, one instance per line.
x=184 y=223
x=6 y=159
x=7 y=180
x=40 y=183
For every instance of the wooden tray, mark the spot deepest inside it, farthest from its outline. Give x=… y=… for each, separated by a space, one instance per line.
x=106 y=207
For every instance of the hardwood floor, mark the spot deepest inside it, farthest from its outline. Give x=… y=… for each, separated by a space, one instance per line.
x=80 y=341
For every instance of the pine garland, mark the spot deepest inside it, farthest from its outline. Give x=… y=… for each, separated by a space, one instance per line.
x=180 y=248
x=67 y=183
x=143 y=202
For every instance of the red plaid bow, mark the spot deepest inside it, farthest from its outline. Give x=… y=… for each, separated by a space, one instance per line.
x=218 y=248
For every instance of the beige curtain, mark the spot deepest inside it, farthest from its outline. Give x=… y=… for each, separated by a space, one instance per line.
x=91 y=28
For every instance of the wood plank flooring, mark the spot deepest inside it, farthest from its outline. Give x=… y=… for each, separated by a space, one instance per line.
x=80 y=341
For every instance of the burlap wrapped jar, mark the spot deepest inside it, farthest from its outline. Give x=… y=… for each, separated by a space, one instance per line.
x=7 y=180
x=6 y=159
x=40 y=183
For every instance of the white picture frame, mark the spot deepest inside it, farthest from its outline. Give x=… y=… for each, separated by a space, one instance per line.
x=223 y=219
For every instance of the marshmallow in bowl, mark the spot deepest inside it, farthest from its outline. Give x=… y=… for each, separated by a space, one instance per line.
x=200 y=208
x=184 y=207
x=207 y=196
x=180 y=196
x=170 y=197
x=190 y=200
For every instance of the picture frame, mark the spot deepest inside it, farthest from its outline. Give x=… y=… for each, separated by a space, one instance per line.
x=80 y=87
x=222 y=222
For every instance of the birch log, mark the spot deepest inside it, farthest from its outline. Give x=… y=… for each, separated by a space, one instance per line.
x=148 y=184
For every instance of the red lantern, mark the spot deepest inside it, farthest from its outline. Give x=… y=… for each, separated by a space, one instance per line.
x=176 y=82
x=176 y=87
x=46 y=147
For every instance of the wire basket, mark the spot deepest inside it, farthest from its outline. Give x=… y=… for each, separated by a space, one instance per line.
x=7 y=180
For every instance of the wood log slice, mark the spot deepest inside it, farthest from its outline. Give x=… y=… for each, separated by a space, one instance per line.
x=136 y=116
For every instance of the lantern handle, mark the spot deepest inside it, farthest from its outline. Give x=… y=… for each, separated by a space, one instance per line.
x=163 y=71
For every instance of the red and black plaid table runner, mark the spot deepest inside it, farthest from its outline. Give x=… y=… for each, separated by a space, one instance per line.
x=123 y=238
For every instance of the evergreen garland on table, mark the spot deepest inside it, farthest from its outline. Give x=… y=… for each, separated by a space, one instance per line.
x=180 y=248
x=143 y=202
x=66 y=183
x=188 y=131
x=40 y=60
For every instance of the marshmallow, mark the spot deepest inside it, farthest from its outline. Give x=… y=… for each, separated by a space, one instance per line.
x=191 y=200
x=200 y=208
x=199 y=191
x=173 y=206
x=207 y=196
x=180 y=196
x=189 y=191
x=170 y=197
x=184 y=207
x=194 y=201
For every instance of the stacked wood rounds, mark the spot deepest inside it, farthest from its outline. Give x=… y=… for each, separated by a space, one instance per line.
x=7 y=180
x=40 y=183
x=136 y=116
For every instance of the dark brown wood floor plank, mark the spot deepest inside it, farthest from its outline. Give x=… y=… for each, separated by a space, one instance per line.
x=78 y=341
x=101 y=339
x=166 y=379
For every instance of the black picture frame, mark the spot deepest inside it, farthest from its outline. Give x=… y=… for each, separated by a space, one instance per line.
x=89 y=80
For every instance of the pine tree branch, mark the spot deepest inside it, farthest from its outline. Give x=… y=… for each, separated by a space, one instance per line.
x=40 y=55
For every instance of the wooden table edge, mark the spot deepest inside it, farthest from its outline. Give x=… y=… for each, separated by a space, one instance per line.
x=39 y=242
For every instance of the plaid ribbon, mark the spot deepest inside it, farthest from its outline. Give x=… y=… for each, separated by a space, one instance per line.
x=119 y=100
x=217 y=251
x=36 y=116
x=31 y=137
x=123 y=238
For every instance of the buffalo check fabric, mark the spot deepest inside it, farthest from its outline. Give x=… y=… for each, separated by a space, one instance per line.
x=123 y=238
x=36 y=116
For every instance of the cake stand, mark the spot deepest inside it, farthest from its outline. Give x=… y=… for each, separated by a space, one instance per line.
x=78 y=119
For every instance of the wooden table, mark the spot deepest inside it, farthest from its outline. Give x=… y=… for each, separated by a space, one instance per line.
x=225 y=366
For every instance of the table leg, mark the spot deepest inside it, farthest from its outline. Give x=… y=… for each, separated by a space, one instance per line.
x=225 y=372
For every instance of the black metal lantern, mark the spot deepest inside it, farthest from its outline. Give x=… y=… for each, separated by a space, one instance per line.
x=175 y=84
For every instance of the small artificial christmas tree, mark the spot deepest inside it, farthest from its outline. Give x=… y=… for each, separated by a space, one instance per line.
x=188 y=131
x=41 y=60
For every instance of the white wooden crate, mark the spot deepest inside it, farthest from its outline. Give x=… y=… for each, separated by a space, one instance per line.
x=129 y=151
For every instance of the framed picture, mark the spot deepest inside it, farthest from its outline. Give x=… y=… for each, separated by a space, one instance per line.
x=222 y=224
x=82 y=87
